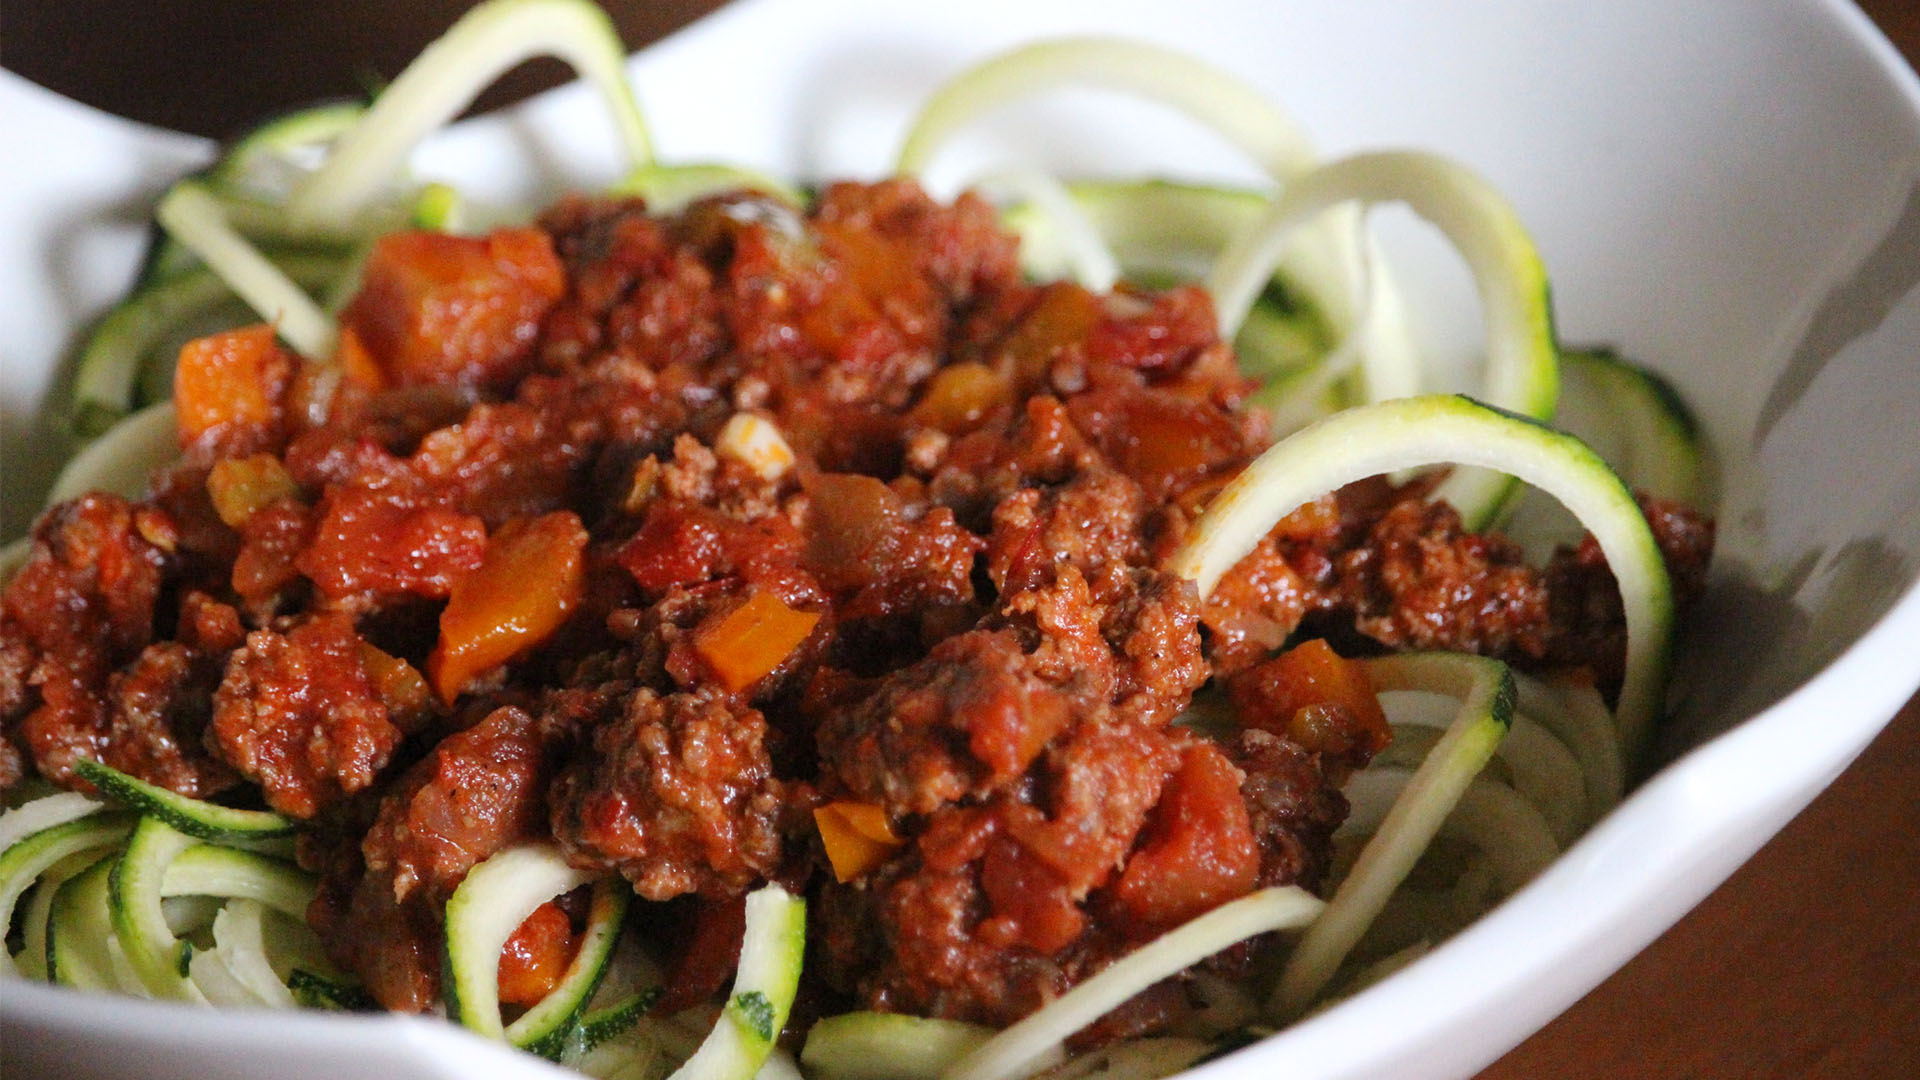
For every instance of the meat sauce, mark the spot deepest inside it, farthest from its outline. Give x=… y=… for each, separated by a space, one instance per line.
x=500 y=574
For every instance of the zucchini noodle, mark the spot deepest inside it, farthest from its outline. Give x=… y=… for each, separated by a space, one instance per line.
x=444 y=79
x=198 y=220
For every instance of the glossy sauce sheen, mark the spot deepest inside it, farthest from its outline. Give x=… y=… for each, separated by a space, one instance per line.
x=639 y=645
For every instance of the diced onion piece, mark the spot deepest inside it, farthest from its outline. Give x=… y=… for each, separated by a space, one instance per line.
x=756 y=443
x=1020 y=1050
x=240 y=487
x=1415 y=432
x=198 y=221
x=487 y=41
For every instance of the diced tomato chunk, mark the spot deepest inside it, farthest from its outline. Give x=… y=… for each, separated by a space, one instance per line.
x=712 y=952
x=1197 y=851
x=676 y=545
x=435 y=308
x=1032 y=904
x=1156 y=434
x=227 y=388
x=685 y=544
x=369 y=544
x=535 y=958
x=1318 y=699
x=528 y=582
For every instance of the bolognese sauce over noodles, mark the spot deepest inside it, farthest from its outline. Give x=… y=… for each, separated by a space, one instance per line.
x=746 y=544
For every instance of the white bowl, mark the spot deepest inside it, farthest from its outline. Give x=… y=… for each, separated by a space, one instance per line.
x=1726 y=190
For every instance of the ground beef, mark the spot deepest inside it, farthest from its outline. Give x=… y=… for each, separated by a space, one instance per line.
x=1588 y=627
x=964 y=722
x=479 y=791
x=998 y=907
x=158 y=713
x=1292 y=809
x=16 y=665
x=299 y=715
x=677 y=794
x=1421 y=581
x=81 y=608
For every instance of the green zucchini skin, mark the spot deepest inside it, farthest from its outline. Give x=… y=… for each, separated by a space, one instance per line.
x=194 y=817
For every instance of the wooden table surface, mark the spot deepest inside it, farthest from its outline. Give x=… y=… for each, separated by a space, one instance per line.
x=1805 y=964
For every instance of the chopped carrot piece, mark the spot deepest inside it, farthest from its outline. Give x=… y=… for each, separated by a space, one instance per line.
x=535 y=958
x=752 y=639
x=857 y=837
x=230 y=381
x=241 y=487
x=530 y=578
x=1317 y=698
x=1197 y=851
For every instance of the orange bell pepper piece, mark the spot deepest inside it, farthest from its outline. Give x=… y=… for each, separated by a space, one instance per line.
x=750 y=641
x=530 y=578
x=857 y=837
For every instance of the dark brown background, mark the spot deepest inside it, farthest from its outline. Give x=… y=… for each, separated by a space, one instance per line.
x=1806 y=964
